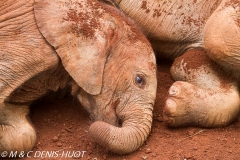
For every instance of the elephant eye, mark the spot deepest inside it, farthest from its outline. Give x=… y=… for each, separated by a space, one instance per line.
x=139 y=81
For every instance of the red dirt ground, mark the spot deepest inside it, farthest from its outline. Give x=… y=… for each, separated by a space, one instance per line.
x=62 y=125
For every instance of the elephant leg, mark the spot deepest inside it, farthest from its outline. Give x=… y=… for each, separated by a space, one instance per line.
x=16 y=132
x=222 y=36
x=204 y=95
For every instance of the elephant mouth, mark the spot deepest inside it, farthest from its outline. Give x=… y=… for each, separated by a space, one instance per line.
x=107 y=114
x=110 y=116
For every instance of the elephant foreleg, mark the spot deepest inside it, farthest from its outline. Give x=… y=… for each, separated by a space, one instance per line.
x=16 y=132
x=204 y=95
x=222 y=36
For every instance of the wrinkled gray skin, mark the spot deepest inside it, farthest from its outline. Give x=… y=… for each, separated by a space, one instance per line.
x=206 y=92
x=106 y=62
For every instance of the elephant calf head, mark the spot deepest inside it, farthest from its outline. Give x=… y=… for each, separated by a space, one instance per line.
x=111 y=61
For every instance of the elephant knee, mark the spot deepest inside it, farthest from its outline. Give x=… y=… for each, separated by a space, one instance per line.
x=17 y=138
x=222 y=36
x=16 y=132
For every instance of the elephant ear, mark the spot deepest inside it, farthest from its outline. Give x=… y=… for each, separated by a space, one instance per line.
x=79 y=34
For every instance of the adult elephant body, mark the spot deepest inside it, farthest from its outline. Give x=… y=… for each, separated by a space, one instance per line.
x=171 y=23
x=206 y=93
x=87 y=46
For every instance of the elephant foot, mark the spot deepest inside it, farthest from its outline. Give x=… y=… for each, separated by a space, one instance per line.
x=16 y=132
x=190 y=105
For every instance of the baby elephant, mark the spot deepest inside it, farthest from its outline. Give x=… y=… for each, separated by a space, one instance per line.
x=88 y=46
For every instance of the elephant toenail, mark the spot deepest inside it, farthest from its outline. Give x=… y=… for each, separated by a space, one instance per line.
x=173 y=91
x=171 y=106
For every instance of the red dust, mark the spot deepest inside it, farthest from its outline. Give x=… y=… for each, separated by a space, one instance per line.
x=83 y=23
x=195 y=58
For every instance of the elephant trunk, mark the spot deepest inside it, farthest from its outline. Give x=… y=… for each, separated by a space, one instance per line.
x=135 y=128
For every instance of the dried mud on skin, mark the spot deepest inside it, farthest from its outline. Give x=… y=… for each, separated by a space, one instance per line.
x=62 y=125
